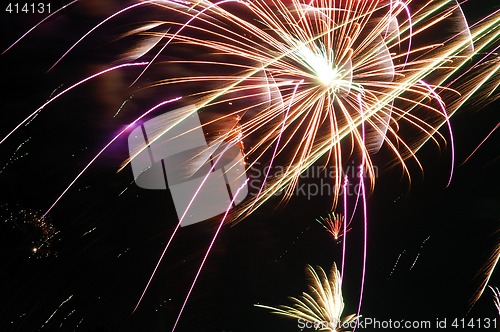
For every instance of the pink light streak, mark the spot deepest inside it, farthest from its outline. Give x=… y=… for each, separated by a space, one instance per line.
x=38 y=24
x=346 y=181
x=408 y=13
x=68 y=89
x=104 y=149
x=480 y=144
x=98 y=25
x=179 y=224
x=365 y=241
x=448 y=123
x=206 y=255
x=365 y=218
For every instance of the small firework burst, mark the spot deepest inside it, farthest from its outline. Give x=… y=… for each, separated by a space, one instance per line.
x=334 y=225
x=38 y=229
x=323 y=305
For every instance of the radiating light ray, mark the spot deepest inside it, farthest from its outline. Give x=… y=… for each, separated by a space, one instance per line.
x=486 y=272
x=480 y=144
x=418 y=254
x=466 y=25
x=395 y=264
x=15 y=156
x=55 y=311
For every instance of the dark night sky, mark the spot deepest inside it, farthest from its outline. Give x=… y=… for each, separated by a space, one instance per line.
x=260 y=260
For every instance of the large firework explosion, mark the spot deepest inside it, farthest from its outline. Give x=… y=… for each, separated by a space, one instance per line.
x=302 y=84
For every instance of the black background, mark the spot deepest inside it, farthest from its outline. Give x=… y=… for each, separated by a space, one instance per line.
x=260 y=260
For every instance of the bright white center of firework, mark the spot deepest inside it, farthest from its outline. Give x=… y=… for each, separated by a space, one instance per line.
x=326 y=72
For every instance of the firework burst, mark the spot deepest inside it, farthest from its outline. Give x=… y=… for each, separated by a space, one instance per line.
x=42 y=232
x=316 y=81
x=323 y=305
x=334 y=225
